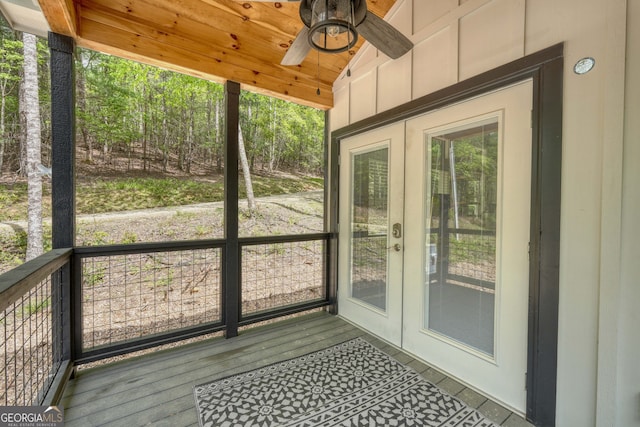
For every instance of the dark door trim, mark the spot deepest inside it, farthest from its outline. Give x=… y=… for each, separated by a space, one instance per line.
x=545 y=68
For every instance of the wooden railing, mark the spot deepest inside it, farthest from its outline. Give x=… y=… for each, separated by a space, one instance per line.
x=34 y=350
x=73 y=306
x=132 y=297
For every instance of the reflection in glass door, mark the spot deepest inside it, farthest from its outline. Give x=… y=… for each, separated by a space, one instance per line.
x=369 y=219
x=461 y=233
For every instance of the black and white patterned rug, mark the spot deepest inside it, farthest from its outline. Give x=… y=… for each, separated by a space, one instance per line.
x=350 y=384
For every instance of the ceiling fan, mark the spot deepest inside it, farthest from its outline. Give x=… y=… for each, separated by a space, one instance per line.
x=333 y=26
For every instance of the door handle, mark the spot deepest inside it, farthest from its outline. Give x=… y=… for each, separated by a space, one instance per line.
x=395 y=247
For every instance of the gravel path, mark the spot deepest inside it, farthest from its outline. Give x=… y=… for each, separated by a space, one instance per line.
x=275 y=215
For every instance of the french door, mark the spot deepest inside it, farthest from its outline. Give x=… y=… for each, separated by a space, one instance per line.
x=370 y=236
x=434 y=232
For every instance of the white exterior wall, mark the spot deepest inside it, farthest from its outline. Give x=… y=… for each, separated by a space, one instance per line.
x=599 y=349
x=628 y=356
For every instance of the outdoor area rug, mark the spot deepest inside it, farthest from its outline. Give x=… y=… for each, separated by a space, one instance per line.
x=350 y=384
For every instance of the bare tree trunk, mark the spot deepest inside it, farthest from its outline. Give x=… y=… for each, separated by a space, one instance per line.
x=165 y=135
x=209 y=151
x=165 y=144
x=143 y=128
x=31 y=110
x=251 y=201
x=3 y=103
x=218 y=145
x=81 y=91
x=22 y=128
x=190 y=138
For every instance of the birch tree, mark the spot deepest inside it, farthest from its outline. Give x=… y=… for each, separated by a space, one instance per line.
x=30 y=108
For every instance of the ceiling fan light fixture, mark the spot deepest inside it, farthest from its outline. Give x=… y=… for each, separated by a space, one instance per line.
x=332 y=27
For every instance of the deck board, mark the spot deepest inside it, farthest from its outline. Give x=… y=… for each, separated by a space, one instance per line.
x=157 y=389
x=136 y=372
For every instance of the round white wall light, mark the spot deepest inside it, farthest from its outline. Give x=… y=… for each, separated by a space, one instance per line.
x=584 y=65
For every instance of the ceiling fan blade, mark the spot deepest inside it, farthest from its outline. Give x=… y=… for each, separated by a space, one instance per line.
x=298 y=49
x=384 y=36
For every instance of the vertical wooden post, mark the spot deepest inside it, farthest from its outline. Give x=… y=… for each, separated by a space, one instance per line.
x=231 y=261
x=63 y=225
x=331 y=188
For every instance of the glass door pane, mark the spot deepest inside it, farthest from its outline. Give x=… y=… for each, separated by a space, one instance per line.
x=369 y=224
x=460 y=262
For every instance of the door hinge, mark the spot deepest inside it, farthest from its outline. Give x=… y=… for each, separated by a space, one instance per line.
x=526 y=381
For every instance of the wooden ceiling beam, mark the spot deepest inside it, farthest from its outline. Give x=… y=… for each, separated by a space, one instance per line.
x=205 y=48
x=61 y=16
x=192 y=35
x=209 y=23
x=286 y=16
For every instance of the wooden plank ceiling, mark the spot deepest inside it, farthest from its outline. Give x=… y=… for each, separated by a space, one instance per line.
x=214 y=39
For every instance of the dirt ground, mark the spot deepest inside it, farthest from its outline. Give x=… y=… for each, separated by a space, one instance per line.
x=129 y=296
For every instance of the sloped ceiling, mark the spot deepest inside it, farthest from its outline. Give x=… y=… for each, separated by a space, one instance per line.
x=220 y=40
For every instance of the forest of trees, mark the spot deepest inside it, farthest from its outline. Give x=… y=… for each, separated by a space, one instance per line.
x=150 y=113
x=12 y=120
x=135 y=121
x=153 y=118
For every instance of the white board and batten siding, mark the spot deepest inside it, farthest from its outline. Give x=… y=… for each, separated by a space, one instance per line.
x=598 y=383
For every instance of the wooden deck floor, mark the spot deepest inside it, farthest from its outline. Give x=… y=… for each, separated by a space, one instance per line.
x=156 y=389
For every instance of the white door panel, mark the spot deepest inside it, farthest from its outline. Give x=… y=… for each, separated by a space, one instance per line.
x=466 y=259
x=371 y=201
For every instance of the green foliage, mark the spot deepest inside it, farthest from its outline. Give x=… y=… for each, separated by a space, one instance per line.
x=10 y=196
x=185 y=215
x=13 y=201
x=129 y=237
x=268 y=186
x=201 y=230
x=124 y=105
x=165 y=281
x=143 y=193
x=282 y=135
x=99 y=238
x=93 y=276
x=47 y=240
x=276 y=249
x=10 y=58
x=35 y=307
x=11 y=64
x=14 y=248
